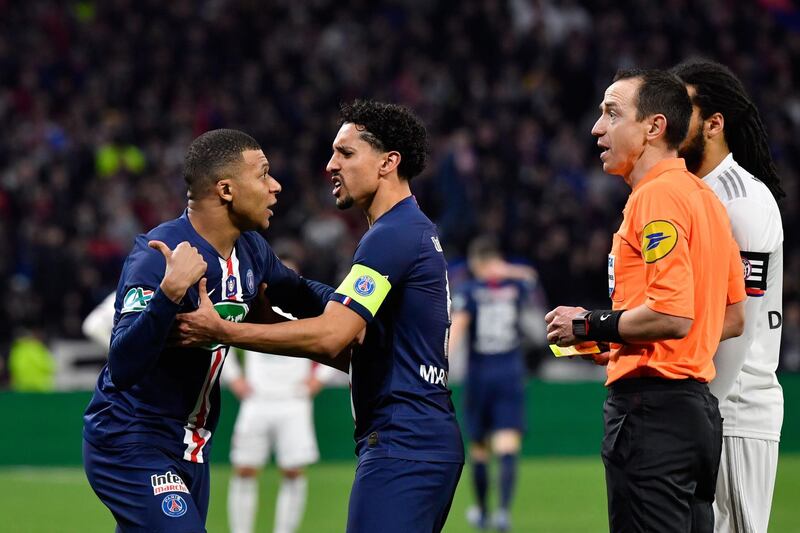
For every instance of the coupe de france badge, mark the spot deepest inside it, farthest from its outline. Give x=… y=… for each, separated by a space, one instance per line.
x=136 y=300
x=230 y=286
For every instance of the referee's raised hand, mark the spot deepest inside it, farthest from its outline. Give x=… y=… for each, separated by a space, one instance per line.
x=185 y=267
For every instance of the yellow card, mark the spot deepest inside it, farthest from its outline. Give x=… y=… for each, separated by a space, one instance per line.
x=565 y=351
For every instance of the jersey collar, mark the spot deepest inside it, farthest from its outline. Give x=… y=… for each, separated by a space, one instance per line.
x=199 y=238
x=724 y=165
x=665 y=165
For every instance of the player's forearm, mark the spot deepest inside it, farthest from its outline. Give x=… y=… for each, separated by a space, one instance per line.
x=313 y=338
x=642 y=324
x=731 y=354
x=733 y=324
x=135 y=348
x=728 y=362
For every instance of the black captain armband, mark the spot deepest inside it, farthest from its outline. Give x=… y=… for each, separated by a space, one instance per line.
x=598 y=325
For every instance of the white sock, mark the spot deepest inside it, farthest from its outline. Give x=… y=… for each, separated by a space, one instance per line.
x=291 y=504
x=242 y=500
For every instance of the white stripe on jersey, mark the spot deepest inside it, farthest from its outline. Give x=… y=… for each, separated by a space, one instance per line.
x=196 y=436
x=231 y=282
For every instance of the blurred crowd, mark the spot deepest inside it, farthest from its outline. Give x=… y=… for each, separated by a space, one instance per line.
x=100 y=99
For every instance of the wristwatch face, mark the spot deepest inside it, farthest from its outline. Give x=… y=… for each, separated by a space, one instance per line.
x=579 y=324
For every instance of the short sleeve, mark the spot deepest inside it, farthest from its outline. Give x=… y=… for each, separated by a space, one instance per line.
x=661 y=225
x=382 y=260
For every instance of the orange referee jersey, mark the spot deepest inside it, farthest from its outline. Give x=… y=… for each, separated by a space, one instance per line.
x=675 y=253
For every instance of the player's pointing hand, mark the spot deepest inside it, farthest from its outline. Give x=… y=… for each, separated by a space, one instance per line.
x=185 y=266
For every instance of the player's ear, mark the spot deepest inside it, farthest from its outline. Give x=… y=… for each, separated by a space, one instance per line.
x=714 y=125
x=224 y=188
x=391 y=160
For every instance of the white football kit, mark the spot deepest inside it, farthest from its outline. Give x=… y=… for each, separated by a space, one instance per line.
x=278 y=416
x=750 y=397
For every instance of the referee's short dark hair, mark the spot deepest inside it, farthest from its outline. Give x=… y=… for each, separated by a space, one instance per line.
x=391 y=127
x=662 y=93
x=210 y=155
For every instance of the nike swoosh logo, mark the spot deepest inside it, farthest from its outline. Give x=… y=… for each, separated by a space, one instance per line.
x=603 y=317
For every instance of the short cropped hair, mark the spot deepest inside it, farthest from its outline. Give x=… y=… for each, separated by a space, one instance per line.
x=662 y=93
x=209 y=156
x=391 y=127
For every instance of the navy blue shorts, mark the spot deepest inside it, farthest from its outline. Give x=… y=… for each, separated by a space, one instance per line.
x=147 y=489
x=491 y=405
x=401 y=496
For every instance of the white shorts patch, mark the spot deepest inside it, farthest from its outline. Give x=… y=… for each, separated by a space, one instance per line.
x=745 y=485
x=282 y=427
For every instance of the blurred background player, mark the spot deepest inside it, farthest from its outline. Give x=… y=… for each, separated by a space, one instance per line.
x=276 y=413
x=98 y=324
x=727 y=147
x=488 y=312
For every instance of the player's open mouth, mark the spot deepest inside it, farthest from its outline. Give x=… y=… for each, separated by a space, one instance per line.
x=337 y=186
x=605 y=150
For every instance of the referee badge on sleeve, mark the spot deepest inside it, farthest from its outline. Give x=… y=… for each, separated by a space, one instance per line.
x=659 y=237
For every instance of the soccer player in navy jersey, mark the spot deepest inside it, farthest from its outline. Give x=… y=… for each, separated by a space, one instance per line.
x=408 y=443
x=488 y=314
x=148 y=428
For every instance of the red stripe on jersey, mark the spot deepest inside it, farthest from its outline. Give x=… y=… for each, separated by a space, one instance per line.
x=230 y=273
x=752 y=291
x=201 y=416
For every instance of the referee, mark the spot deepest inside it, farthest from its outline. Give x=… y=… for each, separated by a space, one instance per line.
x=677 y=288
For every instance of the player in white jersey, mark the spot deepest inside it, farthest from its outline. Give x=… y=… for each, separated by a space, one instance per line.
x=98 y=324
x=275 y=417
x=727 y=147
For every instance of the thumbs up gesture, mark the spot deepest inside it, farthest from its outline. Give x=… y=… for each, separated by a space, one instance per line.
x=185 y=266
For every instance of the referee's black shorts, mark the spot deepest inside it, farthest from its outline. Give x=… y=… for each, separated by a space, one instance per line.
x=661 y=451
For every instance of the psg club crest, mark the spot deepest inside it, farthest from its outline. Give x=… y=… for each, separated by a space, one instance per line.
x=173 y=505
x=748 y=268
x=251 y=282
x=230 y=286
x=364 y=285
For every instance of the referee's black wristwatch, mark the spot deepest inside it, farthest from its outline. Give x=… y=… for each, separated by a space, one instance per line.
x=598 y=325
x=580 y=324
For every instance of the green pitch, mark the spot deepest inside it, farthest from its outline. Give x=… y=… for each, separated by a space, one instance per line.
x=554 y=495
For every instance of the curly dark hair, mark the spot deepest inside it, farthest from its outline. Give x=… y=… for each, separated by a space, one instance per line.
x=391 y=127
x=718 y=90
x=210 y=155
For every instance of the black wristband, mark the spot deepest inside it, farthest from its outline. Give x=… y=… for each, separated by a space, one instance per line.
x=599 y=325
